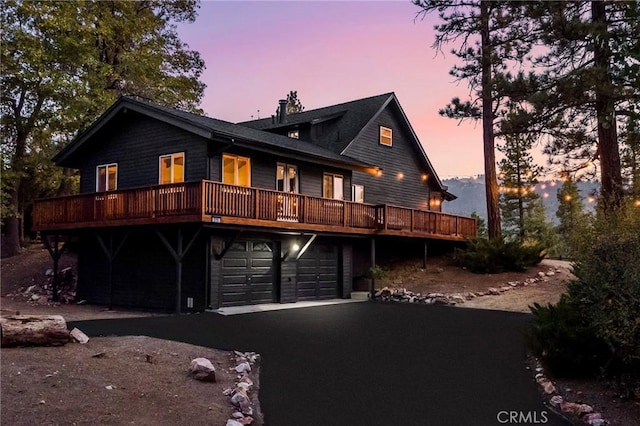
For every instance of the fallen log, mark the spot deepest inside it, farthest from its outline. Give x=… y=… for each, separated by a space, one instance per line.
x=33 y=330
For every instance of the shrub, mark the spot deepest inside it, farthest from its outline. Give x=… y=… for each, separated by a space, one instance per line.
x=596 y=325
x=494 y=256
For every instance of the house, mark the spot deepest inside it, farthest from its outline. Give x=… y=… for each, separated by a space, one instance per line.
x=183 y=212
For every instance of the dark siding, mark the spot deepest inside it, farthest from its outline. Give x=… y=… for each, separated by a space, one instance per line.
x=143 y=273
x=402 y=157
x=135 y=143
x=347 y=270
x=263 y=172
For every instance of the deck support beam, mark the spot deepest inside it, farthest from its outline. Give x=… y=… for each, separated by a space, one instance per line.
x=55 y=251
x=227 y=244
x=372 y=290
x=178 y=253
x=111 y=255
x=424 y=255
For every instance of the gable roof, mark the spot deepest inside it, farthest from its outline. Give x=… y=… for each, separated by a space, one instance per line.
x=212 y=129
x=351 y=120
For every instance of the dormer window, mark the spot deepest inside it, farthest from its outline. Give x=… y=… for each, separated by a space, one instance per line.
x=386 y=136
x=295 y=134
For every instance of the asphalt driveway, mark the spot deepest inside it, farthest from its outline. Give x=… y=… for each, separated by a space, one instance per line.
x=371 y=363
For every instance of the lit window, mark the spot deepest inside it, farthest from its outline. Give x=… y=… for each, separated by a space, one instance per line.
x=171 y=168
x=357 y=193
x=236 y=170
x=107 y=177
x=295 y=134
x=386 y=136
x=332 y=186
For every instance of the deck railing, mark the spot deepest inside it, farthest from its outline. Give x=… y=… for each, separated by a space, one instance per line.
x=206 y=199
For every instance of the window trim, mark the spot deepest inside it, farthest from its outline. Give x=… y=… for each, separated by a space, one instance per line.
x=172 y=156
x=390 y=137
x=235 y=171
x=285 y=167
x=353 y=192
x=107 y=165
x=333 y=177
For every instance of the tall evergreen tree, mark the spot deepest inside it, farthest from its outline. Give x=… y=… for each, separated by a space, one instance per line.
x=65 y=62
x=519 y=176
x=589 y=79
x=487 y=35
x=570 y=213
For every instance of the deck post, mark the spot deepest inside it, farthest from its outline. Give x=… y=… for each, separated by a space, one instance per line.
x=111 y=256
x=424 y=256
x=178 y=255
x=55 y=251
x=372 y=290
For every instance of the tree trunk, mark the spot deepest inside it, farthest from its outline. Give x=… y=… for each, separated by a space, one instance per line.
x=608 y=150
x=491 y=182
x=33 y=330
x=11 y=238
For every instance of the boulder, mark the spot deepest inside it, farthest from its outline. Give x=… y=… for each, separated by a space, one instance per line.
x=575 y=409
x=232 y=422
x=202 y=369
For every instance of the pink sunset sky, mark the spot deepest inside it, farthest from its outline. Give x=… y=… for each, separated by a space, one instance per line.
x=332 y=52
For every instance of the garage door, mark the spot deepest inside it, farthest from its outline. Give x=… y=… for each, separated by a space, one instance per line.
x=247 y=274
x=318 y=273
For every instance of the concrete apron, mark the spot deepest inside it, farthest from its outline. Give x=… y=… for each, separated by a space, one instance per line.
x=248 y=309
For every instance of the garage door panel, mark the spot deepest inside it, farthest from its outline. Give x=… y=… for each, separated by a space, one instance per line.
x=233 y=280
x=318 y=273
x=234 y=263
x=262 y=263
x=247 y=274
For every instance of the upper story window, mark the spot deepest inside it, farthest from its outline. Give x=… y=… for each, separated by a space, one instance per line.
x=332 y=186
x=295 y=134
x=107 y=177
x=386 y=136
x=357 y=193
x=171 y=168
x=236 y=170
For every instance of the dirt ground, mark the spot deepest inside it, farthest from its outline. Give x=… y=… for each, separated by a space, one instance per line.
x=67 y=385
x=440 y=276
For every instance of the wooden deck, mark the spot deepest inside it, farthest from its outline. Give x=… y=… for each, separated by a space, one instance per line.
x=214 y=202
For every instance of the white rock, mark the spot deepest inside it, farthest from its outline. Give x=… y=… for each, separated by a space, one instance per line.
x=242 y=367
x=238 y=398
x=35 y=297
x=49 y=272
x=232 y=422
x=202 y=369
x=79 y=336
x=550 y=273
x=237 y=415
x=555 y=400
x=245 y=386
x=541 y=274
x=109 y=387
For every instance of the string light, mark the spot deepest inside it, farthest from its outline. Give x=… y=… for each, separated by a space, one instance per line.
x=400 y=175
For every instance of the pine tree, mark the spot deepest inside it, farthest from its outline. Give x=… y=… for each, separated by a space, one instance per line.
x=519 y=176
x=293 y=103
x=571 y=214
x=586 y=80
x=488 y=35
